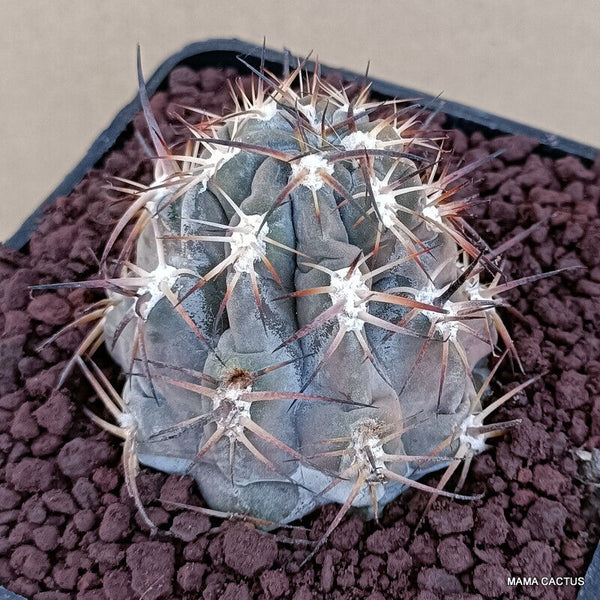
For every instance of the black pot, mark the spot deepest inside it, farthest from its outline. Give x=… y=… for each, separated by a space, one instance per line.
x=223 y=53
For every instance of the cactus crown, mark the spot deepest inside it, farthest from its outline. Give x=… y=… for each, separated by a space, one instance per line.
x=298 y=306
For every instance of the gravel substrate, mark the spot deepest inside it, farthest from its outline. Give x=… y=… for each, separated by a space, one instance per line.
x=69 y=530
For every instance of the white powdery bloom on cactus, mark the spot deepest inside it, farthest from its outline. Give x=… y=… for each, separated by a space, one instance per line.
x=210 y=165
x=163 y=275
x=237 y=408
x=127 y=421
x=264 y=111
x=312 y=165
x=386 y=202
x=476 y=443
x=248 y=242
x=352 y=291
x=431 y=212
x=367 y=446
x=361 y=139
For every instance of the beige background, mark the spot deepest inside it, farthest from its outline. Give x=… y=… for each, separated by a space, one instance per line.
x=68 y=66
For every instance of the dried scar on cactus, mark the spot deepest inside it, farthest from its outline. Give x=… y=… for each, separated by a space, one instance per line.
x=302 y=313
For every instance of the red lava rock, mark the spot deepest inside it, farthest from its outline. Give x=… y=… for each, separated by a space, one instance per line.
x=85 y=493
x=115 y=523
x=422 y=549
x=502 y=211
x=26 y=587
x=451 y=518
x=549 y=480
x=106 y=479
x=506 y=460
x=157 y=515
x=236 y=591
x=454 y=555
x=274 y=584
x=84 y=520
x=398 y=562
x=80 y=456
x=149 y=485
x=491 y=580
x=346 y=577
x=387 y=540
x=530 y=440
x=20 y=534
x=189 y=525
x=569 y=168
x=65 y=577
x=368 y=571
x=590 y=246
x=34 y=510
x=494 y=178
x=544 y=196
x=492 y=526
x=570 y=390
x=16 y=322
x=535 y=557
x=523 y=497
x=42 y=384
x=52 y=596
x=152 y=567
x=70 y=537
x=348 y=533
x=8 y=498
x=6 y=443
x=106 y=554
x=514 y=147
x=29 y=365
x=30 y=562
x=303 y=593
x=194 y=551
x=59 y=501
x=24 y=426
x=32 y=475
x=116 y=585
x=19 y=451
x=246 y=551
x=88 y=581
x=183 y=77
x=5 y=420
x=46 y=444
x=95 y=594
x=55 y=415
x=546 y=519
x=11 y=352
x=13 y=401
x=327 y=573
x=176 y=489
x=426 y=595
x=46 y=538
x=438 y=581
x=50 y=308
x=16 y=293
x=190 y=577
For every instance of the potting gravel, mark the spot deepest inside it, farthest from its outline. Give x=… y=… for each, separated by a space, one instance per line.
x=68 y=528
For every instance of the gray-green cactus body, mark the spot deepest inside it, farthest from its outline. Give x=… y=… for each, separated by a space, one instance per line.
x=280 y=370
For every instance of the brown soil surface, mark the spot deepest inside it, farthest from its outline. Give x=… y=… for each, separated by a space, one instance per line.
x=69 y=530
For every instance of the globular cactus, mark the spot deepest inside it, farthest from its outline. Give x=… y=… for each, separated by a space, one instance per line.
x=297 y=306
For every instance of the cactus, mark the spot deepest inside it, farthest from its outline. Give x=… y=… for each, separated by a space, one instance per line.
x=298 y=308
